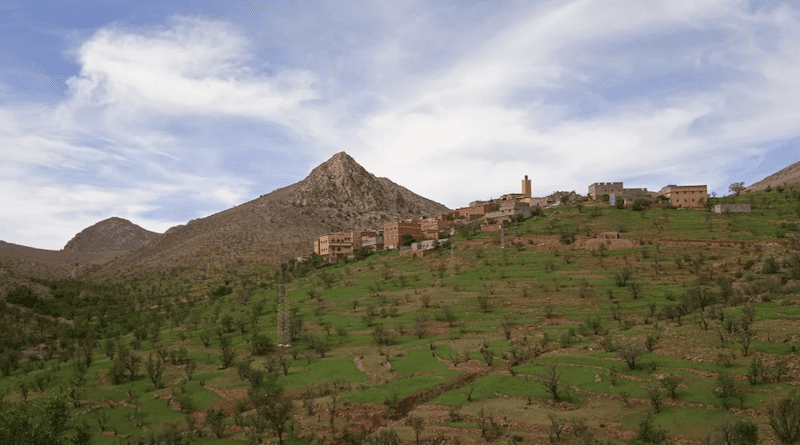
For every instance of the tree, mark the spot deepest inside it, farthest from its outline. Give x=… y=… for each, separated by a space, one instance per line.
x=155 y=370
x=417 y=424
x=215 y=418
x=227 y=354
x=406 y=240
x=446 y=314
x=550 y=378
x=272 y=405
x=648 y=434
x=726 y=391
x=738 y=432
x=737 y=188
x=784 y=418
x=631 y=353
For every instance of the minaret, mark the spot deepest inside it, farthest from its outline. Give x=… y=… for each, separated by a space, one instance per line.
x=526 y=187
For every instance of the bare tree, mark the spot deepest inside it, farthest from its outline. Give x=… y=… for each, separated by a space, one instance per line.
x=550 y=379
x=631 y=353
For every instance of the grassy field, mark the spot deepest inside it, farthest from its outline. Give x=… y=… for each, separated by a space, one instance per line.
x=474 y=335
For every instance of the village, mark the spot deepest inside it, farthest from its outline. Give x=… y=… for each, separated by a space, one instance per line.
x=417 y=237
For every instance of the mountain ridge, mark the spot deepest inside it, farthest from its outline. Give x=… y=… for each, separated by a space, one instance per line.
x=339 y=194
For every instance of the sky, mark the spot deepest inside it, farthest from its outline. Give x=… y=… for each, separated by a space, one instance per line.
x=163 y=112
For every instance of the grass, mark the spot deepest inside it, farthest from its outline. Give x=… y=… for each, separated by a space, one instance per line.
x=539 y=270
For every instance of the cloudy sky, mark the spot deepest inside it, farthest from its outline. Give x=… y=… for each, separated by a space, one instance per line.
x=162 y=112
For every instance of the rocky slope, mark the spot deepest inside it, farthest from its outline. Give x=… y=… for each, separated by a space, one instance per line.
x=110 y=235
x=337 y=195
x=788 y=175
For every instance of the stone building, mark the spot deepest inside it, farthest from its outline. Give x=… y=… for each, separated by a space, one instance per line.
x=526 y=187
x=691 y=196
x=431 y=227
x=373 y=242
x=731 y=208
x=598 y=189
x=477 y=211
x=616 y=191
x=393 y=232
x=508 y=210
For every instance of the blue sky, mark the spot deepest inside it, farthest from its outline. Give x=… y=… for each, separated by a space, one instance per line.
x=163 y=112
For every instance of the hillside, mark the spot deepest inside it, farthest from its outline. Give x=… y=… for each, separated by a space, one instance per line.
x=561 y=337
x=788 y=175
x=337 y=195
x=50 y=264
x=109 y=235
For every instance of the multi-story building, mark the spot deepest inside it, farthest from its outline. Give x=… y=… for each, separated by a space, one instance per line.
x=431 y=227
x=477 y=211
x=334 y=245
x=373 y=242
x=616 y=191
x=508 y=210
x=598 y=189
x=686 y=195
x=393 y=232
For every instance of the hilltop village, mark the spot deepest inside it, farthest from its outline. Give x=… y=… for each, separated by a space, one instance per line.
x=419 y=236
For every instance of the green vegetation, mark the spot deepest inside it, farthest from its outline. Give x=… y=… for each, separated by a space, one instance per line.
x=683 y=328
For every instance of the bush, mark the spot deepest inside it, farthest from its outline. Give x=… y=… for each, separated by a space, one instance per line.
x=648 y=433
x=640 y=204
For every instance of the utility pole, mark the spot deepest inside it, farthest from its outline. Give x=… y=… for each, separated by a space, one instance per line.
x=502 y=237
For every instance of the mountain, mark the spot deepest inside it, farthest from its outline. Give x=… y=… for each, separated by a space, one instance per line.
x=337 y=195
x=788 y=175
x=23 y=261
x=109 y=235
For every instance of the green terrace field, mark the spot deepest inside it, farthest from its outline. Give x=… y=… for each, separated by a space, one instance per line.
x=688 y=322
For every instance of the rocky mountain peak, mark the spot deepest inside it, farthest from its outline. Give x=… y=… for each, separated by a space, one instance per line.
x=110 y=235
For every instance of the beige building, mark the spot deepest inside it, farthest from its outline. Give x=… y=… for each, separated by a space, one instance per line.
x=732 y=208
x=526 y=187
x=692 y=196
x=477 y=211
x=393 y=232
x=341 y=244
x=335 y=245
x=598 y=189
x=508 y=210
x=373 y=242
x=616 y=191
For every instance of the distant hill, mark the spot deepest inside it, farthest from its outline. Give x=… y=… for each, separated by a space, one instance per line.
x=337 y=195
x=788 y=175
x=110 y=235
x=25 y=261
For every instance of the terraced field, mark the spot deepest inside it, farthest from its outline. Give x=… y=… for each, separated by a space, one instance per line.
x=687 y=321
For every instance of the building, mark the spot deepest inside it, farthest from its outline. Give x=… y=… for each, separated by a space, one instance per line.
x=598 y=189
x=393 y=232
x=358 y=234
x=616 y=191
x=477 y=211
x=431 y=227
x=427 y=244
x=509 y=210
x=686 y=196
x=731 y=208
x=526 y=187
x=335 y=245
x=373 y=242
